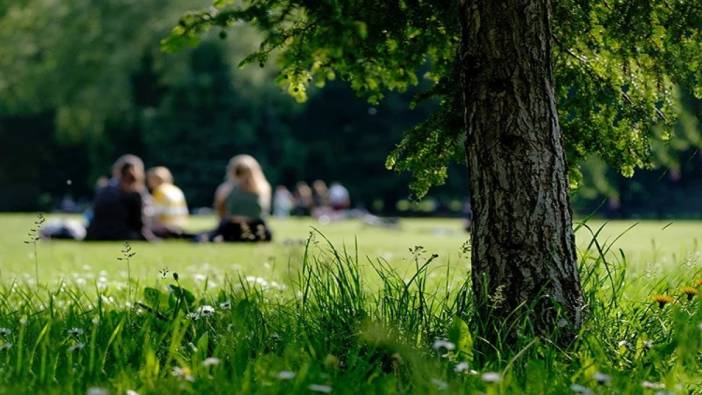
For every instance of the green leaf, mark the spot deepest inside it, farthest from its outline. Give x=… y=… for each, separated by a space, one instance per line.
x=182 y=293
x=153 y=297
x=459 y=334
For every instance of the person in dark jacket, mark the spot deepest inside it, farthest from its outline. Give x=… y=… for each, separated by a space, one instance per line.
x=118 y=210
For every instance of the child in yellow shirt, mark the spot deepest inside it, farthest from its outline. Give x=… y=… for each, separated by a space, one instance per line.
x=168 y=207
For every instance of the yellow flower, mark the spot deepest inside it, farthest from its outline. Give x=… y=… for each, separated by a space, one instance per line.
x=699 y=282
x=662 y=300
x=690 y=292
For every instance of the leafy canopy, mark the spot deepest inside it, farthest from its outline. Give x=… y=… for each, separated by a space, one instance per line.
x=616 y=66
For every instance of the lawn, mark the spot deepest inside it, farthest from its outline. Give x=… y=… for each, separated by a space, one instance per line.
x=367 y=313
x=648 y=245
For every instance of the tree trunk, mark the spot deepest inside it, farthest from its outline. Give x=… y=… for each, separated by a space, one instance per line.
x=523 y=246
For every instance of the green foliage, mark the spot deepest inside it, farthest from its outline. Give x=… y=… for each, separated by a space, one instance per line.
x=615 y=66
x=52 y=48
x=374 y=46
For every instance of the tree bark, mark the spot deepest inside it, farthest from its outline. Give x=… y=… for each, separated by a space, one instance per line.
x=523 y=246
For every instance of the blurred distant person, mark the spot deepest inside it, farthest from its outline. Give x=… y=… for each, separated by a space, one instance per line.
x=339 y=198
x=282 y=202
x=118 y=210
x=303 y=199
x=169 y=210
x=320 y=194
x=242 y=203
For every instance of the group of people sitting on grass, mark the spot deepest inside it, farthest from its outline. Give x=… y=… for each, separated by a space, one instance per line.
x=318 y=201
x=138 y=205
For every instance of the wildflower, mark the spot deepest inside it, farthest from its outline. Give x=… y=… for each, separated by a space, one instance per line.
x=580 y=389
x=4 y=332
x=164 y=273
x=662 y=300
x=491 y=377
x=624 y=344
x=226 y=305
x=601 y=378
x=97 y=391
x=258 y=281
x=285 y=375
x=206 y=311
x=192 y=316
x=325 y=389
x=132 y=392
x=211 y=361
x=107 y=299
x=461 y=367
x=690 y=292
x=652 y=386
x=441 y=385
x=182 y=373
x=76 y=347
x=443 y=344
x=648 y=344
x=199 y=277
x=75 y=332
x=5 y=346
x=699 y=282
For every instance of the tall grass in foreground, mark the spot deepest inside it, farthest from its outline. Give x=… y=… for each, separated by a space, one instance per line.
x=335 y=330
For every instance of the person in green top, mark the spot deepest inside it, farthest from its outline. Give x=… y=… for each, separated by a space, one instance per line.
x=242 y=202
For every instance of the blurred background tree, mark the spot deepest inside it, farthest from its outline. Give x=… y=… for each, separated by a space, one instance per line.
x=82 y=82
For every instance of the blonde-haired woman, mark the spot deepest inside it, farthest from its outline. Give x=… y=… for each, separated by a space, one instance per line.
x=242 y=202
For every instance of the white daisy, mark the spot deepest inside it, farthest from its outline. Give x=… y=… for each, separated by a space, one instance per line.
x=440 y=344
x=97 y=391
x=285 y=375
x=75 y=332
x=491 y=377
x=324 y=389
x=580 y=389
x=211 y=361
x=601 y=378
x=652 y=386
x=206 y=311
x=441 y=385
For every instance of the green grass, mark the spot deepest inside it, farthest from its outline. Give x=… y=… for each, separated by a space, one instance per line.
x=650 y=245
x=351 y=317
